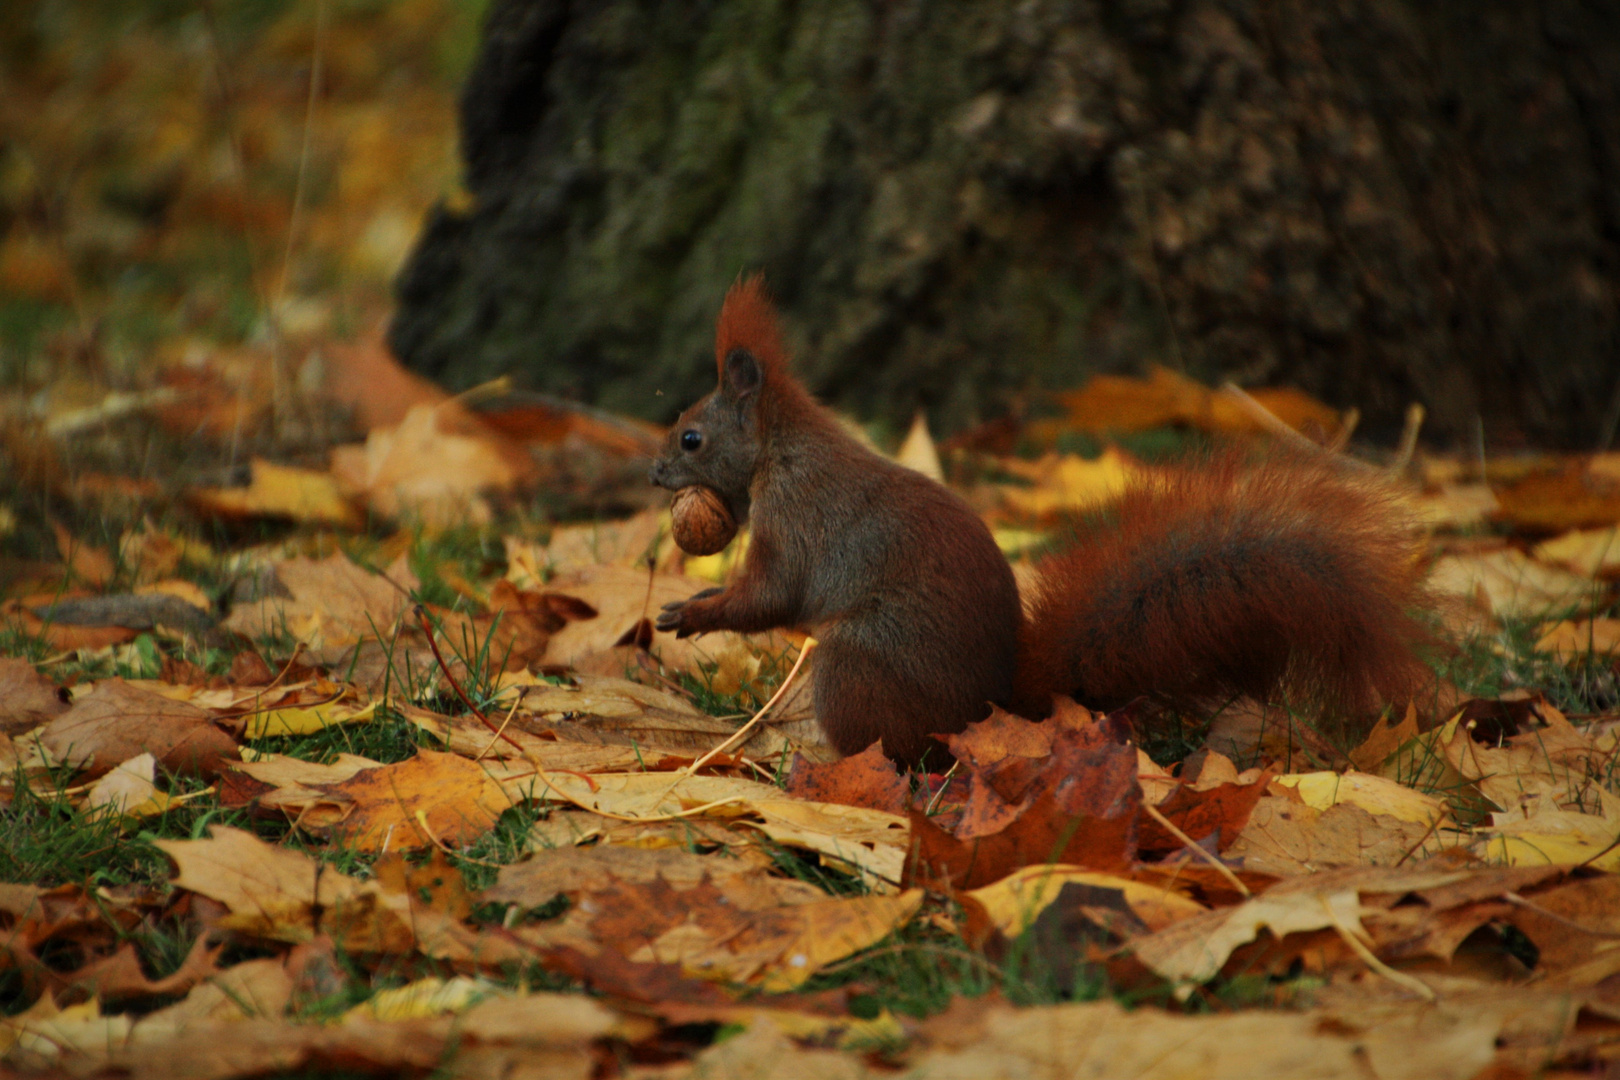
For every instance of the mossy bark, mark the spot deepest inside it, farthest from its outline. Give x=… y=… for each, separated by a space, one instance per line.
x=962 y=205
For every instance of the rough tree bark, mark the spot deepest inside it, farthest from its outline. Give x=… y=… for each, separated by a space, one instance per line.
x=1381 y=201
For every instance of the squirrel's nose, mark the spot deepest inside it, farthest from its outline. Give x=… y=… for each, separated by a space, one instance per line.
x=655 y=473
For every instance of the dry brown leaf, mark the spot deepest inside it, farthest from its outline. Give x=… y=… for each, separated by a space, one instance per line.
x=1068 y=483
x=376 y=809
x=1572 y=640
x=747 y=883
x=1588 y=552
x=471 y=738
x=332 y=604
x=89 y=564
x=1286 y=838
x=270 y=891
x=1510 y=584
x=776 y=947
x=1384 y=741
x=1456 y=506
x=606 y=709
x=627 y=543
x=1570 y=497
x=868 y=842
x=1374 y=794
x=1017 y=900
x=437 y=465
x=1555 y=763
x=27 y=698
x=866 y=779
x=1417 y=1042
x=115 y=721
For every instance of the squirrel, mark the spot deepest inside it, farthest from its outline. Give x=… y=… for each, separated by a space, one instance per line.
x=1200 y=584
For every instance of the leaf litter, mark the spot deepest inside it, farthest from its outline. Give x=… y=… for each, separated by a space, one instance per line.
x=392 y=793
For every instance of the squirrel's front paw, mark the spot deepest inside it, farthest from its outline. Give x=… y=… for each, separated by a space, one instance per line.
x=686 y=617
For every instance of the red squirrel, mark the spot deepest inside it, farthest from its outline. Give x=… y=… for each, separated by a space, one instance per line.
x=1202 y=583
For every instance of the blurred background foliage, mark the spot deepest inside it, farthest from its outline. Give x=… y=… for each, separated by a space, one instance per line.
x=171 y=186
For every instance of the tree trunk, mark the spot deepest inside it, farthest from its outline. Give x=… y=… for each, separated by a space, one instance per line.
x=961 y=206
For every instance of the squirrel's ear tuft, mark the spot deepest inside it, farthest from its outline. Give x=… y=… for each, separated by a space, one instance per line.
x=748 y=322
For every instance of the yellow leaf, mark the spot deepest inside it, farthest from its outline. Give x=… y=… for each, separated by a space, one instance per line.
x=1572 y=640
x=283 y=491
x=305 y=720
x=424 y=997
x=918 y=452
x=1014 y=902
x=1374 y=794
x=833 y=929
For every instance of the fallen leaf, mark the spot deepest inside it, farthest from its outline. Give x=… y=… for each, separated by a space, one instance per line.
x=1512 y=585
x=27 y=698
x=865 y=779
x=330 y=604
x=1374 y=794
x=1211 y=811
x=1385 y=740
x=114 y=722
x=917 y=450
x=1068 y=483
x=86 y=562
x=1017 y=900
x=1285 y=837
x=1569 y=497
x=539 y=879
x=1194 y=950
x=1449 y=1041
x=1589 y=552
x=1572 y=640
x=305 y=720
x=281 y=491
x=129 y=790
x=437 y=464
x=376 y=808
x=605 y=709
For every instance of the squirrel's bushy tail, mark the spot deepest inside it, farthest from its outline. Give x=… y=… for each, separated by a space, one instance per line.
x=1283 y=578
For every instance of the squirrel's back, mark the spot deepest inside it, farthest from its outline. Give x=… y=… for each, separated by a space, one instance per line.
x=1225 y=578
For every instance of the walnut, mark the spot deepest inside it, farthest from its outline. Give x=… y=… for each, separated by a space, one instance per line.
x=703 y=523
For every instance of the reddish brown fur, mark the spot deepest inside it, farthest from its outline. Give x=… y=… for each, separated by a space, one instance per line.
x=748 y=321
x=1205 y=582
x=1212 y=580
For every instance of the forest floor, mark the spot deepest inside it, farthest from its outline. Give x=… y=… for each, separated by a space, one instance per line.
x=335 y=739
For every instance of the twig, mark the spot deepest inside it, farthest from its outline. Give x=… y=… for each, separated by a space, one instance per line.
x=1359 y=947
x=1409 y=438
x=944 y=782
x=1347 y=428
x=804 y=651
x=1611 y=846
x=422 y=823
x=1413 y=850
x=1224 y=870
x=1274 y=424
x=501 y=732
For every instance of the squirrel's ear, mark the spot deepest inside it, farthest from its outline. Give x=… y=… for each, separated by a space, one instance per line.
x=743 y=375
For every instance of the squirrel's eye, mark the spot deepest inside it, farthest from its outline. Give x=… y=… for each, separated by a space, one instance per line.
x=691 y=439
